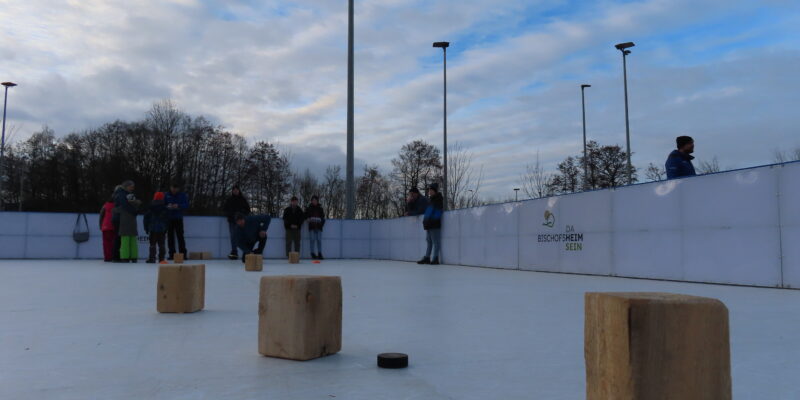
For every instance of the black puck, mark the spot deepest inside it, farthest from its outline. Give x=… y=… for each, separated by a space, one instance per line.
x=393 y=360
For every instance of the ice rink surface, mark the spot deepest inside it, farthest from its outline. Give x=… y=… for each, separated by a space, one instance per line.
x=89 y=330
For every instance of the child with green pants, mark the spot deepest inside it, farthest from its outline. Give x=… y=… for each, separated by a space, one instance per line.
x=128 y=207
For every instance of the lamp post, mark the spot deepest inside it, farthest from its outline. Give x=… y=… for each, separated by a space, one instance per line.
x=444 y=46
x=3 y=138
x=350 y=185
x=516 y=194
x=623 y=47
x=585 y=162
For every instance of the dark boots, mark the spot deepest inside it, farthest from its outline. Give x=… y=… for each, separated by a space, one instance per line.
x=425 y=260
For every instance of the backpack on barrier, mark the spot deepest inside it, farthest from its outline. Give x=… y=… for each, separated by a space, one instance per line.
x=80 y=233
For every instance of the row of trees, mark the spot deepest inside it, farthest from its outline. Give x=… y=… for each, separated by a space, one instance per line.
x=79 y=171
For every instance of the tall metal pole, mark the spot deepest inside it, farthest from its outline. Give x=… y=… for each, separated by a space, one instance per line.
x=3 y=140
x=445 y=127
x=585 y=168
x=3 y=147
x=627 y=122
x=350 y=184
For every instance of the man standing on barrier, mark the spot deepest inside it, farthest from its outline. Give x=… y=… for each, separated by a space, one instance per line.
x=679 y=162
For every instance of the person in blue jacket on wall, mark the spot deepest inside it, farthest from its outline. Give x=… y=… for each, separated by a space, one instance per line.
x=251 y=230
x=177 y=202
x=679 y=162
x=432 y=222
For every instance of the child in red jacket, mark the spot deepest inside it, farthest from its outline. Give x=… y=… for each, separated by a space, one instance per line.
x=107 y=227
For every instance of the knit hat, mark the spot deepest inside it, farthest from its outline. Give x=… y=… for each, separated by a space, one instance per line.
x=158 y=196
x=434 y=186
x=683 y=141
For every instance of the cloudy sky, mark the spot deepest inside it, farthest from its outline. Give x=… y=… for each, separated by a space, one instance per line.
x=723 y=71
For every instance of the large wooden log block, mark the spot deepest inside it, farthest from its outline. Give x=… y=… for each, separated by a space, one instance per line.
x=294 y=258
x=300 y=317
x=656 y=346
x=181 y=288
x=253 y=262
x=178 y=258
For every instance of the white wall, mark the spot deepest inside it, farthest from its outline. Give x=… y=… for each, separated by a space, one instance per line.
x=738 y=227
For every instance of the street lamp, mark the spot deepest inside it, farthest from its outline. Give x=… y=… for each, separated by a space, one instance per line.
x=350 y=185
x=444 y=46
x=583 y=107
x=3 y=137
x=623 y=47
x=516 y=194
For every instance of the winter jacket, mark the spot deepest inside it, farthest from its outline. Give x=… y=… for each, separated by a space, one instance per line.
x=106 y=217
x=128 y=207
x=293 y=216
x=120 y=200
x=181 y=199
x=433 y=214
x=235 y=204
x=417 y=207
x=156 y=220
x=316 y=217
x=679 y=165
x=247 y=236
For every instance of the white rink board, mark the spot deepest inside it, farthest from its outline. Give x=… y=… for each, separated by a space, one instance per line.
x=737 y=227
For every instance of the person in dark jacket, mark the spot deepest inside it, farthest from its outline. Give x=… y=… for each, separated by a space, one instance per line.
x=127 y=206
x=432 y=223
x=416 y=204
x=679 y=162
x=293 y=217
x=316 y=221
x=251 y=230
x=235 y=204
x=155 y=225
x=177 y=202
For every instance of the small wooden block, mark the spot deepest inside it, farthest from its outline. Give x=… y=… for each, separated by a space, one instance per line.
x=253 y=262
x=294 y=258
x=181 y=288
x=178 y=258
x=200 y=255
x=300 y=317
x=656 y=346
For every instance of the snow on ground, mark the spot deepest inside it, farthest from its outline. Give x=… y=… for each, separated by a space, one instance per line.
x=74 y=329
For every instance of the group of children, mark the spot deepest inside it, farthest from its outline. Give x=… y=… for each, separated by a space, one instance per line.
x=120 y=228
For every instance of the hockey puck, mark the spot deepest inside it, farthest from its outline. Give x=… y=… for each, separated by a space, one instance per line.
x=393 y=360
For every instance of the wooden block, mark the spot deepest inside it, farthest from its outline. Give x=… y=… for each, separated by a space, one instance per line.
x=181 y=288
x=253 y=262
x=294 y=258
x=201 y=255
x=656 y=346
x=300 y=317
x=178 y=258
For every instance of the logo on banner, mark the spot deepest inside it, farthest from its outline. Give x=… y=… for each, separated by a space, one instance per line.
x=549 y=219
x=573 y=241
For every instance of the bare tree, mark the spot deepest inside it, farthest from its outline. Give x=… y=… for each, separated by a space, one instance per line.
x=372 y=194
x=418 y=164
x=305 y=186
x=535 y=181
x=655 y=173
x=567 y=180
x=463 y=183
x=333 y=192
x=708 y=167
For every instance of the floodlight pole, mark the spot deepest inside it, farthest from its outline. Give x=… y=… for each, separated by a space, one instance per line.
x=585 y=159
x=350 y=188
x=623 y=47
x=3 y=138
x=444 y=46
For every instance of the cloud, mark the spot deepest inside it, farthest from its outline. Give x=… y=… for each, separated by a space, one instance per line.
x=718 y=70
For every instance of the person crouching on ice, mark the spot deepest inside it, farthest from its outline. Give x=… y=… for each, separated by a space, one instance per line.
x=251 y=231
